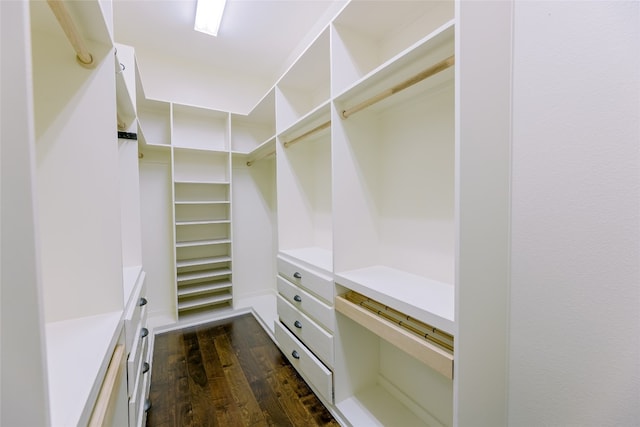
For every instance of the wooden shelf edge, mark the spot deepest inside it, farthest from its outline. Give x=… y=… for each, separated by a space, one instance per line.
x=429 y=354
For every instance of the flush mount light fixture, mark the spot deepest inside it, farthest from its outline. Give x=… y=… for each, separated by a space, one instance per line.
x=209 y=15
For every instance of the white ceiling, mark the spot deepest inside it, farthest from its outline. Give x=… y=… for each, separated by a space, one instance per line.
x=256 y=39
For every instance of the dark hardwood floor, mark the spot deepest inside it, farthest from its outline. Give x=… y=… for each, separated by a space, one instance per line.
x=228 y=374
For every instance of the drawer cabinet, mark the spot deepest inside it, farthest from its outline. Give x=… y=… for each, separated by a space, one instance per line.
x=137 y=347
x=318 y=310
x=307 y=278
x=305 y=362
x=306 y=322
x=319 y=341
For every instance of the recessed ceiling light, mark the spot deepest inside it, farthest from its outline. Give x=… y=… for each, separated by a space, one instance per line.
x=209 y=15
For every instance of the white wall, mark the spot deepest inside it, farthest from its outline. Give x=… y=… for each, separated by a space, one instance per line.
x=23 y=383
x=575 y=278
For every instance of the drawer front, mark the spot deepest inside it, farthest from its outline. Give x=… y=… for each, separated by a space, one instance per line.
x=313 y=336
x=137 y=399
x=307 y=303
x=315 y=282
x=135 y=360
x=305 y=362
x=134 y=313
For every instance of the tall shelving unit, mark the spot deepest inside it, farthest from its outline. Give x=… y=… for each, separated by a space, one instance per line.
x=394 y=235
x=202 y=208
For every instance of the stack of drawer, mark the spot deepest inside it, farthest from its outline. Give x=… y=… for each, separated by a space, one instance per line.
x=137 y=347
x=307 y=321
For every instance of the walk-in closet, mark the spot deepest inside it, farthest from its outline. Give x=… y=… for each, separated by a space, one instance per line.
x=431 y=208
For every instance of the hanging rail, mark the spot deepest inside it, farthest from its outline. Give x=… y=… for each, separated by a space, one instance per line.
x=83 y=56
x=316 y=129
x=261 y=156
x=435 y=69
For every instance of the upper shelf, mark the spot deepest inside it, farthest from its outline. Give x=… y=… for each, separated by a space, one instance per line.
x=366 y=35
x=429 y=51
x=306 y=85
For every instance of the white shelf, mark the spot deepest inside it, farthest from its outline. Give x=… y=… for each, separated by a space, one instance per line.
x=78 y=354
x=202 y=149
x=427 y=300
x=203 y=302
x=201 y=182
x=203 y=288
x=318 y=115
x=202 y=243
x=201 y=202
x=202 y=261
x=204 y=222
x=313 y=257
x=375 y=406
x=206 y=274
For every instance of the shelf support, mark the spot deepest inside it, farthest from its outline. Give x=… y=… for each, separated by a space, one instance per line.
x=83 y=56
x=313 y=131
x=434 y=69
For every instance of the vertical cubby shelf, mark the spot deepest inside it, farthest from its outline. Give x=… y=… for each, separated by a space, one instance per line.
x=393 y=215
x=202 y=213
x=200 y=128
x=368 y=35
x=154 y=122
x=254 y=134
x=304 y=190
x=305 y=86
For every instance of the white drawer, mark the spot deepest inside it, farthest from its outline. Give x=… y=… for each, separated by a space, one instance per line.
x=313 y=281
x=134 y=312
x=309 y=367
x=137 y=399
x=313 y=336
x=307 y=303
x=135 y=359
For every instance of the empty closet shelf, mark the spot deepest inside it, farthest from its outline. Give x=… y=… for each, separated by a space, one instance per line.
x=425 y=343
x=202 y=261
x=204 y=288
x=191 y=304
x=203 y=222
x=202 y=202
x=190 y=243
x=201 y=275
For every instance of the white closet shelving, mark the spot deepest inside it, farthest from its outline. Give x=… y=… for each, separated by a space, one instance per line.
x=253 y=144
x=393 y=212
x=202 y=208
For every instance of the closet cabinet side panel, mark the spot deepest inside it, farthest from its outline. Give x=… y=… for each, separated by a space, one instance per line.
x=254 y=231
x=23 y=386
x=157 y=235
x=78 y=189
x=483 y=142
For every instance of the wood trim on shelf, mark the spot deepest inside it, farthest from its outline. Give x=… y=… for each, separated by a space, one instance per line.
x=108 y=388
x=431 y=355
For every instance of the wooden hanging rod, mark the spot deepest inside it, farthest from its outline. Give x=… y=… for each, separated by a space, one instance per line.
x=83 y=56
x=260 y=157
x=434 y=69
x=316 y=129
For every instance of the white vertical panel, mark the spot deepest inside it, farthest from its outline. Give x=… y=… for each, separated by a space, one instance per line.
x=24 y=380
x=575 y=330
x=483 y=73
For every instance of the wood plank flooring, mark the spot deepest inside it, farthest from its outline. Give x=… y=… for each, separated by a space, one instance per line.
x=228 y=373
